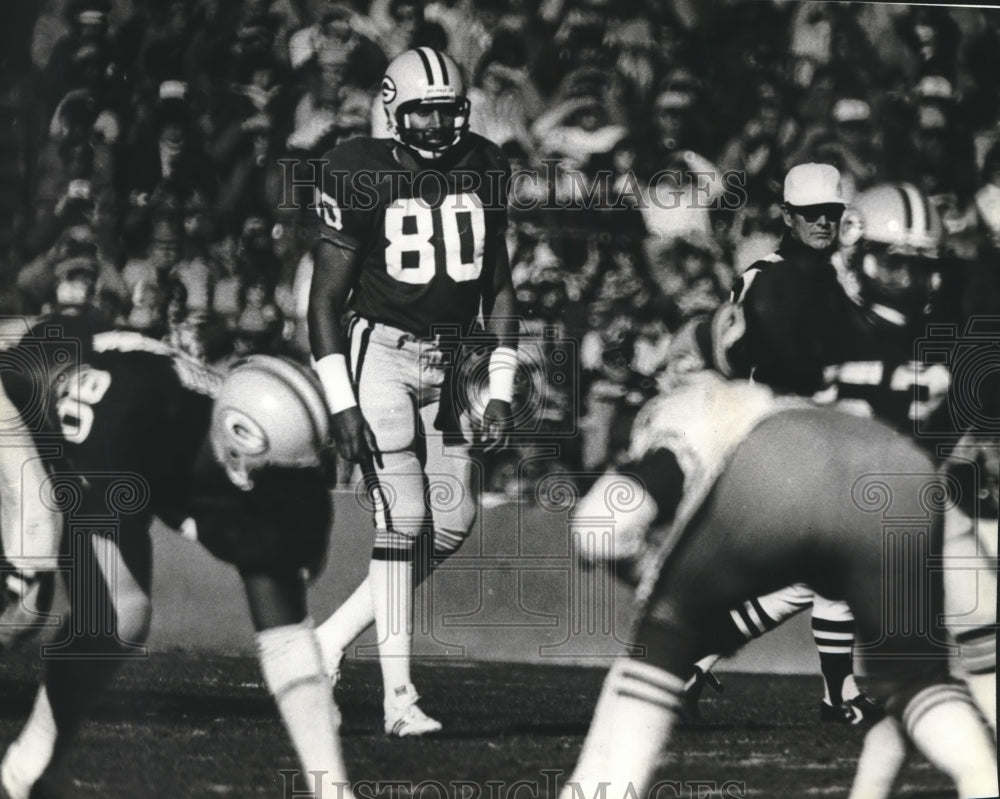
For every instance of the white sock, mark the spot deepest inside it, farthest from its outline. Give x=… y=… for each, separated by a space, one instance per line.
x=392 y=598
x=293 y=671
x=880 y=761
x=983 y=688
x=28 y=757
x=632 y=723
x=944 y=724
x=346 y=623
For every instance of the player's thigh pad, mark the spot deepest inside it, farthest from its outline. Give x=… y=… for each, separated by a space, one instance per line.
x=453 y=484
x=388 y=378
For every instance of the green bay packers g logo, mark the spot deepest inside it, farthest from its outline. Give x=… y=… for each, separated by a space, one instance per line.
x=388 y=89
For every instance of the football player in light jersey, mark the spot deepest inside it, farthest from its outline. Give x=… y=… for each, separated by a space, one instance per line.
x=775 y=495
x=412 y=247
x=236 y=459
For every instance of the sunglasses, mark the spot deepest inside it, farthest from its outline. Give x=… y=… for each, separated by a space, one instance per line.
x=811 y=213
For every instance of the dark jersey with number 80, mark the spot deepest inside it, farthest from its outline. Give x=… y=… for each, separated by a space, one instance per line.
x=426 y=236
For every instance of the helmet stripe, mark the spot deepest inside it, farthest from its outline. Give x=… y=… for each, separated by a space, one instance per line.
x=918 y=225
x=427 y=64
x=443 y=65
x=907 y=210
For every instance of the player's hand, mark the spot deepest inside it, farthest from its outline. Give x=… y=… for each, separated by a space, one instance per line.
x=496 y=425
x=353 y=437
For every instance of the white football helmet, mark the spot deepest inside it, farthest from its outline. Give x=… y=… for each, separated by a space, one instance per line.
x=899 y=254
x=901 y=217
x=269 y=411
x=425 y=78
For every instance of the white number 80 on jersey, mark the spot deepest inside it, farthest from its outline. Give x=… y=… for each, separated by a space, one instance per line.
x=412 y=247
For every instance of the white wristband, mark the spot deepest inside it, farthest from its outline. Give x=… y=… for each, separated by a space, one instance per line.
x=332 y=371
x=503 y=368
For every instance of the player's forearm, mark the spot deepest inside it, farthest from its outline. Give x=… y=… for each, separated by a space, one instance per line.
x=502 y=319
x=328 y=298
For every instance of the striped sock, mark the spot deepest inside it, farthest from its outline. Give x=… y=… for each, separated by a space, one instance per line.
x=752 y=620
x=390 y=575
x=834 y=640
x=943 y=722
x=632 y=723
x=978 y=656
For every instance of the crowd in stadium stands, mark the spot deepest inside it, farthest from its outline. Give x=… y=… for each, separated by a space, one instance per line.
x=160 y=191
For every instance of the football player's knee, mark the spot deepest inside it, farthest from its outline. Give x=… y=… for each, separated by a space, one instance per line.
x=453 y=512
x=392 y=424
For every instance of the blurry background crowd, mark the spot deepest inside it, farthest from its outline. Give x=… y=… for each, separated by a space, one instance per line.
x=142 y=175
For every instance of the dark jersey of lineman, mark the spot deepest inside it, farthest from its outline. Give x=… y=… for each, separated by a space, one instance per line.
x=130 y=417
x=426 y=236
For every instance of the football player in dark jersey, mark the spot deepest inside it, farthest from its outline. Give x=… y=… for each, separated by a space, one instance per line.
x=234 y=459
x=412 y=246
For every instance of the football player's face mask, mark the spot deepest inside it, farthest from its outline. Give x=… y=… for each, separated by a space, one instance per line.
x=906 y=282
x=902 y=238
x=424 y=101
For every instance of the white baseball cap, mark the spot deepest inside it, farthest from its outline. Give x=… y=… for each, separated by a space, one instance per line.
x=813 y=184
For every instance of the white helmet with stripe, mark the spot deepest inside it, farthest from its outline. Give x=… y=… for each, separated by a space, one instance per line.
x=899 y=263
x=269 y=411
x=900 y=216
x=425 y=79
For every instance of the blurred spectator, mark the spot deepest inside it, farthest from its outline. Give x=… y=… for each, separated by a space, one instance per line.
x=168 y=161
x=761 y=147
x=162 y=254
x=81 y=57
x=197 y=268
x=260 y=324
x=36 y=282
x=675 y=120
x=933 y=36
x=256 y=110
x=74 y=174
x=575 y=130
x=988 y=196
x=253 y=259
x=691 y=278
x=848 y=139
x=337 y=48
x=504 y=100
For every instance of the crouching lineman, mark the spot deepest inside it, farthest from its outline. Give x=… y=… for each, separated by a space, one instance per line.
x=235 y=459
x=742 y=494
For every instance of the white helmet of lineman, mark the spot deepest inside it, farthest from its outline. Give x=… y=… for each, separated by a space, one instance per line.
x=902 y=237
x=902 y=218
x=269 y=411
x=425 y=79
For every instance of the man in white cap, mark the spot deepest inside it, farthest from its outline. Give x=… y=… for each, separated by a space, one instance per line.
x=787 y=321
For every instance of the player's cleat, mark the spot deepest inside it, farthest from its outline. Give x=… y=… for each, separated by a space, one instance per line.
x=404 y=719
x=862 y=709
x=694 y=689
x=25 y=599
